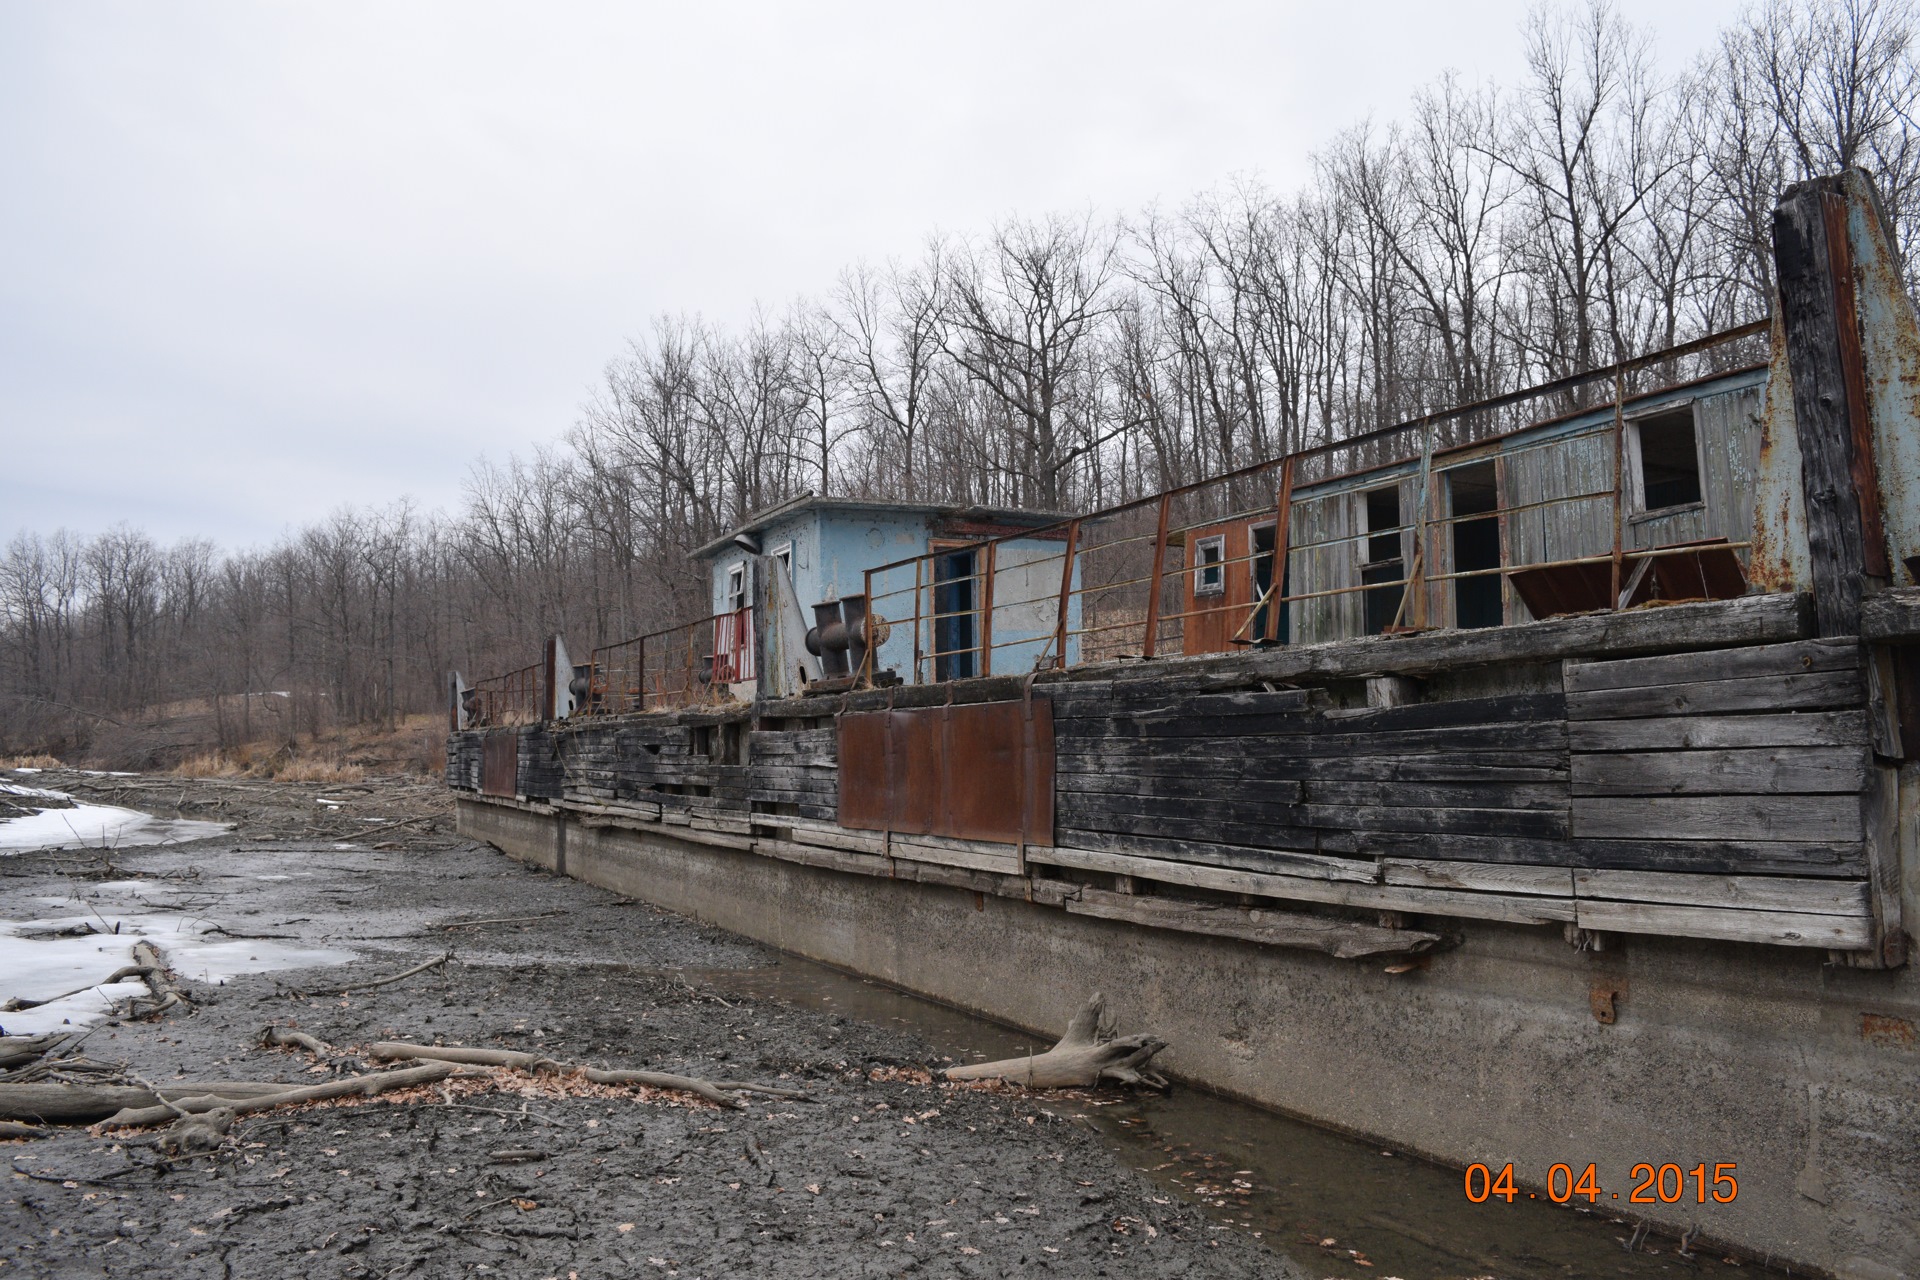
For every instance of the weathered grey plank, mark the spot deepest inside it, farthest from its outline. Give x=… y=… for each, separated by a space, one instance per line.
x=1345 y=939
x=1759 y=771
x=1483 y=822
x=1892 y=615
x=1820 y=690
x=1798 y=658
x=1494 y=877
x=1543 y=796
x=1761 y=893
x=1667 y=733
x=1300 y=861
x=1813 y=818
x=1779 y=928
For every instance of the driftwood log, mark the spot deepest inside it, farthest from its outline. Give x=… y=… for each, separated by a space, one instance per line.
x=283 y=1096
x=1088 y=1054
x=721 y=1092
x=18 y=1051
x=166 y=992
x=57 y=1103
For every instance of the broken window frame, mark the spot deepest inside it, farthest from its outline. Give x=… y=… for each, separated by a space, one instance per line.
x=1214 y=568
x=736 y=589
x=1635 y=490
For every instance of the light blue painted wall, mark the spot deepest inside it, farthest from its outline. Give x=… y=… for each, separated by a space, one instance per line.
x=833 y=549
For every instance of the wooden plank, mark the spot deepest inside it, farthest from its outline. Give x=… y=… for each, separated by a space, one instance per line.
x=1345 y=939
x=1798 y=658
x=1531 y=796
x=1761 y=771
x=1892 y=615
x=1754 y=893
x=1813 y=818
x=1779 y=928
x=1250 y=764
x=816 y=856
x=1483 y=822
x=1004 y=859
x=1484 y=906
x=1493 y=877
x=1667 y=733
x=1818 y=691
x=1294 y=862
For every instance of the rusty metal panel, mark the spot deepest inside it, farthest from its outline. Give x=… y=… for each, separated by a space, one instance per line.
x=982 y=771
x=916 y=749
x=864 y=792
x=500 y=764
x=986 y=787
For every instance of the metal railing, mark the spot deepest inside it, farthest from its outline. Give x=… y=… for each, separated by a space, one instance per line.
x=1115 y=588
x=679 y=666
x=510 y=699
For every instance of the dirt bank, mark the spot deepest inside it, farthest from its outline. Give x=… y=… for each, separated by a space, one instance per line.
x=876 y=1175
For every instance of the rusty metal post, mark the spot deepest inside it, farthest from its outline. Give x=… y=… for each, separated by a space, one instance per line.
x=868 y=665
x=1282 y=516
x=1619 y=479
x=1153 y=588
x=918 y=587
x=986 y=612
x=1066 y=595
x=641 y=683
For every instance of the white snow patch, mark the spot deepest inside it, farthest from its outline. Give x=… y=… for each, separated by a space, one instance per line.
x=98 y=826
x=38 y=968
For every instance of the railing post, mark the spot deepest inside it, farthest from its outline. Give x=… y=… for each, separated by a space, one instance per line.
x=1153 y=588
x=918 y=587
x=1619 y=479
x=986 y=612
x=1283 y=511
x=867 y=664
x=1066 y=595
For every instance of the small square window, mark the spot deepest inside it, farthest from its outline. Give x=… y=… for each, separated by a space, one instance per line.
x=1669 y=460
x=1209 y=566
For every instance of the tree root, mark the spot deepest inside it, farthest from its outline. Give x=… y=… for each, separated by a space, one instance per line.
x=166 y=992
x=1088 y=1054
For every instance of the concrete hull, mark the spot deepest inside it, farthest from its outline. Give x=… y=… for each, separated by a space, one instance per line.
x=1804 y=1075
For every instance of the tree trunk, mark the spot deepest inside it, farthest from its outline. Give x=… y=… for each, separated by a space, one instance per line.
x=1088 y=1054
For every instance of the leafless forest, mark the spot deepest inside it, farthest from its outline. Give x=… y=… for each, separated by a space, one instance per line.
x=1495 y=236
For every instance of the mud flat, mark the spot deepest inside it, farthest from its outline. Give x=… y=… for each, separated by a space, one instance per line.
x=880 y=1173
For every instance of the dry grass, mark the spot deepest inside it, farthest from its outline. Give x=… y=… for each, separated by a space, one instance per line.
x=29 y=762
x=311 y=769
x=209 y=764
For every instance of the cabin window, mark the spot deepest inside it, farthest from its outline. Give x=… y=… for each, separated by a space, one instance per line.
x=1210 y=566
x=1668 y=453
x=955 y=614
x=1383 y=571
x=736 y=588
x=783 y=556
x=1473 y=494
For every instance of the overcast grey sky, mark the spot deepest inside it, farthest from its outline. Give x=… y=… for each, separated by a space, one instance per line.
x=257 y=261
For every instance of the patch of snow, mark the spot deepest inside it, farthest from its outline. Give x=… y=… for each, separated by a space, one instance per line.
x=26 y=769
x=98 y=826
x=38 y=968
x=31 y=793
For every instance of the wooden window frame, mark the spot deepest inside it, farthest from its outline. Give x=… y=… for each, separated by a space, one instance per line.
x=1201 y=566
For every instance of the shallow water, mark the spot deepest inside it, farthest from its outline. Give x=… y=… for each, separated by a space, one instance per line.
x=1326 y=1199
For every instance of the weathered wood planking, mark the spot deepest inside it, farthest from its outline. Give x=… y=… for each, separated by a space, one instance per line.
x=1343 y=938
x=1800 y=658
x=1780 y=928
x=1675 y=733
x=1757 y=771
x=1794 y=817
x=1754 y=893
x=1817 y=691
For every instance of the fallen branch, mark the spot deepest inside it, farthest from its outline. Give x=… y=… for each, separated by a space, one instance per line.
x=351 y=1086
x=1088 y=1054
x=434 y=963
x=14 y=1129
x=721 y=1092
x=277 y=1037
x=516 y=1155
x=166 y=992
x=18 y=1051
x=84 y=1103
x=468 y=924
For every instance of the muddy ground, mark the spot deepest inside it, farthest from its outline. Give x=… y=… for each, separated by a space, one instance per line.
x=878 y=1174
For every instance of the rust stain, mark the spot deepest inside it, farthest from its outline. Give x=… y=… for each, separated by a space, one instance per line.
x=1601 y=998
x=1888 y=1031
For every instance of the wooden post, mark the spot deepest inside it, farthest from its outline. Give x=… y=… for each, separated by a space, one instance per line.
x=1066 y=595
x=1423 y=545
x=1153 y=587
x=1283 y=511
x=1814 y=266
